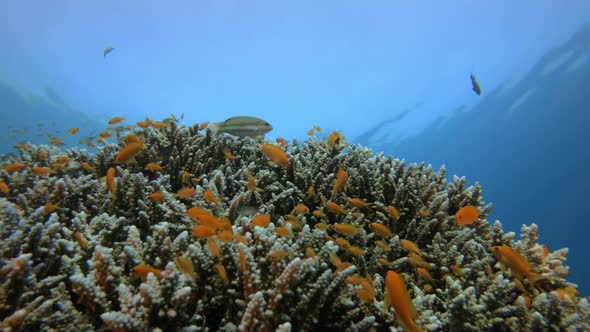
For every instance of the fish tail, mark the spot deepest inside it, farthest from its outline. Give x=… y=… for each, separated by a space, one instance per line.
x=535 y=277
x=215 y=128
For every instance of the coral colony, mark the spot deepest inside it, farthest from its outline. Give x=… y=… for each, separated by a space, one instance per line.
x=173 y=228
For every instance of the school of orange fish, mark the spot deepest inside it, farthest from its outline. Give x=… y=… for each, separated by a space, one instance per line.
x=215 y=230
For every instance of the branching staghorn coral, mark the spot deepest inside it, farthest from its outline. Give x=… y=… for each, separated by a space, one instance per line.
x=76 y=254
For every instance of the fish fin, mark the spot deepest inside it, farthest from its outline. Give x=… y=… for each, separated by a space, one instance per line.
x=533 y=278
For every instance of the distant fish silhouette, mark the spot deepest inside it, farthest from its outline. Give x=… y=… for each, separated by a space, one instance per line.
x=475 y=84
x=107 y=50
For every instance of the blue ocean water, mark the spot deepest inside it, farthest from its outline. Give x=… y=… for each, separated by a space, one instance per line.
x=526 y=143
x=390 y=75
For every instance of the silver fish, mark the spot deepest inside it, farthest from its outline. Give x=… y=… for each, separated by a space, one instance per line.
x=242 y=126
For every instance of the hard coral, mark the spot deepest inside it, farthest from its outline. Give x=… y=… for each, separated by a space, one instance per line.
x=77 y=265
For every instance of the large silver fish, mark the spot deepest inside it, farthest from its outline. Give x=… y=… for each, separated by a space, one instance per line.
x=242 y=126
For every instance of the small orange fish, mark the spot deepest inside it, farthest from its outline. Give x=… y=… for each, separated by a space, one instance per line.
x=184 y=193
x=393 y=212
x=310 y=132
x=279 y=255
x=129 y=152
x=143 y=270
x=382 y=245
x=321 y=225
x=203 y=126
x=49 y=208
x=251 y=182
x=346 y=229
x=283 y=231
x=311 y=191
x=116 y=120
x=301 y=209
x=467 y=215
x=410 y=246
x=282 y=142
x=82 y=241
x=261 y=220
x=203 y=231
x=319 y=214
x=105 y=134
x=15 y=167
x=111 y=183
x=185 y=265
x=342 y=243
x=159 y=125
x=4 y=187
x=225 y=236
x=144 y=124
x=214 y=248
x=154 y=167
x=416 y=260
x=335 y=138
x=86 y=166
x=222 y=273
x=132 y=138
x=366 y=293
x=56 y=142
x=41 y=171
x=356 y=251
x=210 y=197
x=275 y=154
x=424 y=274
x=381 y=230
x=196 y=212
x=309 y=252
x=73 y=131
x=335 y=208
x=228 y=155
x=359 y=203
x=43 y=155
x=399 y=298
x=519 y=266
x=341 y=179
x=157 y=197
x=62 y=159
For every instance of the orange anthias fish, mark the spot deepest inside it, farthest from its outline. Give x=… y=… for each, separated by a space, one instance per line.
x=154 y=167
x=381 y=229
x=399 y=298
x=111 y=184
x=143 y=270
x=467 y=215
x=129 y=152
x=335 y=208
x=261 y=220
x=116 y=120
x=4 y=187
x=73 y=131
x=519 y=266
x=184 y=193
x=341 y=179
x=275 y=154
x=15 y=167
x=210 y=197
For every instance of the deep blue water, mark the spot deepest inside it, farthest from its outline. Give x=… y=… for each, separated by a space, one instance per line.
x=532 y=160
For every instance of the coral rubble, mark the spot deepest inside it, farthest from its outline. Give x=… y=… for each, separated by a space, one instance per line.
x=176 y=248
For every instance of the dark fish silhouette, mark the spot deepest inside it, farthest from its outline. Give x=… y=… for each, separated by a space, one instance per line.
x=475 y=84
x=107 y=50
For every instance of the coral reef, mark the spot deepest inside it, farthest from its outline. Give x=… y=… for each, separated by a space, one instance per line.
x=125 y=254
